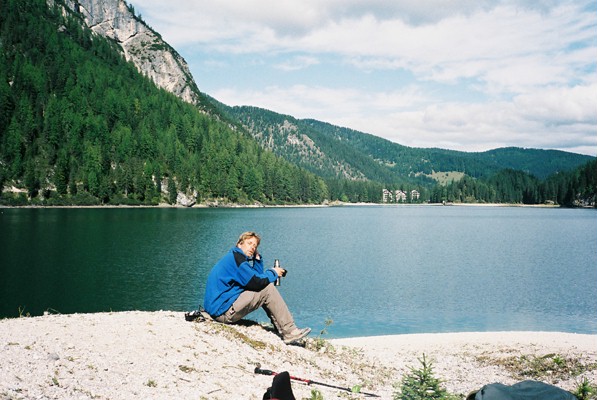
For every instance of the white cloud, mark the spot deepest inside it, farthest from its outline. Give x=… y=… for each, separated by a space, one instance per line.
x=298 y=62
x=557 y=118
x=468 y=75
x=560 y=105
x=506 y=46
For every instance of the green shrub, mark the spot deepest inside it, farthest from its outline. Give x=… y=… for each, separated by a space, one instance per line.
x=586 y=390
x=14 y=200
x=421 y=384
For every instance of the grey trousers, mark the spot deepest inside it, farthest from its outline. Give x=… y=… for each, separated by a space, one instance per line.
x=272 y=302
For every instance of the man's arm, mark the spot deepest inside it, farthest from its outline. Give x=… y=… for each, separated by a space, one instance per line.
x=250 y=278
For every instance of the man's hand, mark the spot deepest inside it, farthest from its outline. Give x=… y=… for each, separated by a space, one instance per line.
x=279 y=271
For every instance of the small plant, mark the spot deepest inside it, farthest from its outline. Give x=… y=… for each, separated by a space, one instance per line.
x=558 y=360
x=420 y=384
x=319 y=341
x=22 y=312
x=186 y=369
x=316 y=395
x=586 y=390
x=151 y=383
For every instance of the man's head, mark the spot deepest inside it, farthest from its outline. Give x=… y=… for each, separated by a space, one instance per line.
x=248 y=243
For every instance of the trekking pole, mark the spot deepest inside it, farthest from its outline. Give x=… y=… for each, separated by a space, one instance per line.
x=258 y=370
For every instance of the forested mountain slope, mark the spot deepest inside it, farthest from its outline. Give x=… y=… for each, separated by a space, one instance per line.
x=335 y=151
x=506 y=175
x=80 y=125
x=537 y=162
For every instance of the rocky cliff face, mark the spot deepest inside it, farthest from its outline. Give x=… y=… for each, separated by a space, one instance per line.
x=141 y=45
x=144 y=48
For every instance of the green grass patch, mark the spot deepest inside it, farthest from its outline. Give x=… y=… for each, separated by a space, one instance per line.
x=445 y=178
x=553 y=367
x=232 y=332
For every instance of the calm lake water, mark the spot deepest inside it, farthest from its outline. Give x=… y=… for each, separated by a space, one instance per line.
x=372 y=269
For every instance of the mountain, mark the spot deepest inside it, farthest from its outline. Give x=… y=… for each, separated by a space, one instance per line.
x=332 y=151
x=79 y=124
x=141 y=45
x=95 y=108
x=322 y=148
x=537 y=162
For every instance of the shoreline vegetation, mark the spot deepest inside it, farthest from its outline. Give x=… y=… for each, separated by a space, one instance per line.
x=120 y=355
x=17 y=198
x=259 y=205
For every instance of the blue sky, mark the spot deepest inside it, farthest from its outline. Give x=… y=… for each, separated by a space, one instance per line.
x=468 y=75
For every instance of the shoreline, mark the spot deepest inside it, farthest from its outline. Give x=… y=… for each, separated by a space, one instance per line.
x=120 y=355
x=331 y=204
x=582 y=341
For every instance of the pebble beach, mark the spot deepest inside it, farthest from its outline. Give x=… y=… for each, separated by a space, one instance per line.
x=160 y=355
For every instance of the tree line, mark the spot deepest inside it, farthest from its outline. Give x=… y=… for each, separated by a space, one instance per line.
x=495 y=176
x=572 y=189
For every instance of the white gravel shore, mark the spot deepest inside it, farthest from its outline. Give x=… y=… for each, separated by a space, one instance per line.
x=158 y=355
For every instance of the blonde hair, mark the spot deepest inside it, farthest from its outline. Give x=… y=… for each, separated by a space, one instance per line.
x=248 y=235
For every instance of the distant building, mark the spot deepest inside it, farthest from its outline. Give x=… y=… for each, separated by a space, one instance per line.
x=400 y=196
x=386 y=196
x=397 y=196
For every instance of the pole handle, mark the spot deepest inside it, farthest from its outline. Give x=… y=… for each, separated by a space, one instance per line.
x=264 y=371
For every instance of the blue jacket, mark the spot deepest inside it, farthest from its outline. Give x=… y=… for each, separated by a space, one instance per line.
x=233 y=274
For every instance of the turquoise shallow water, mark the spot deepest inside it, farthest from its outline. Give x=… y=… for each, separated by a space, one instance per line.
x=373 y=269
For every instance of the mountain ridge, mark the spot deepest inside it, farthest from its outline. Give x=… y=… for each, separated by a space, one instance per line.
x=79 y=124
x=389 y=159
x=310 y=143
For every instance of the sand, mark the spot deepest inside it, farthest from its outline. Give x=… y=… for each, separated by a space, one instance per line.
x=159 y=355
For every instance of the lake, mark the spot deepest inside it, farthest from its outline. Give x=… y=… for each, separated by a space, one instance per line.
x=373 y=270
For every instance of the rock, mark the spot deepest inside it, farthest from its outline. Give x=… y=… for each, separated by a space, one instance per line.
x=186 y=200
x=140 y=44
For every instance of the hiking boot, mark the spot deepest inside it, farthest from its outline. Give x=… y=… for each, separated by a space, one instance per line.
x=296 y=335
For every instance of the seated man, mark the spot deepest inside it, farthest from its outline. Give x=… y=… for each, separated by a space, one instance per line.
x=238 y=285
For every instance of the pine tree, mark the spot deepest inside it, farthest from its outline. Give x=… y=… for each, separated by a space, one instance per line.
x=421 y=384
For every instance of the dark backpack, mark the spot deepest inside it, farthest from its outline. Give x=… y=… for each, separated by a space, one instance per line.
x=281 y=388
x=525 y=390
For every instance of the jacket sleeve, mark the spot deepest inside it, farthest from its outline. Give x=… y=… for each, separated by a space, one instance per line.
x=252 y=277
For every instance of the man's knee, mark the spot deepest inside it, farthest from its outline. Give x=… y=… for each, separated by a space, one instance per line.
x=269 y=289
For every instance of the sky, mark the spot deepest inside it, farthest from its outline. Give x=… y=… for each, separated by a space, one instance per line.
x=468 y=75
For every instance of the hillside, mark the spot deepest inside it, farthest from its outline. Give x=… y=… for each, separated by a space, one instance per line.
x=327 y=150
x=81 y=125
x=333 y=151
x=537 y=162
x=83 y=121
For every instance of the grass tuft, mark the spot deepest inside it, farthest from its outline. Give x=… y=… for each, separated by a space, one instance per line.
x=548 y=367
x=231 y=331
